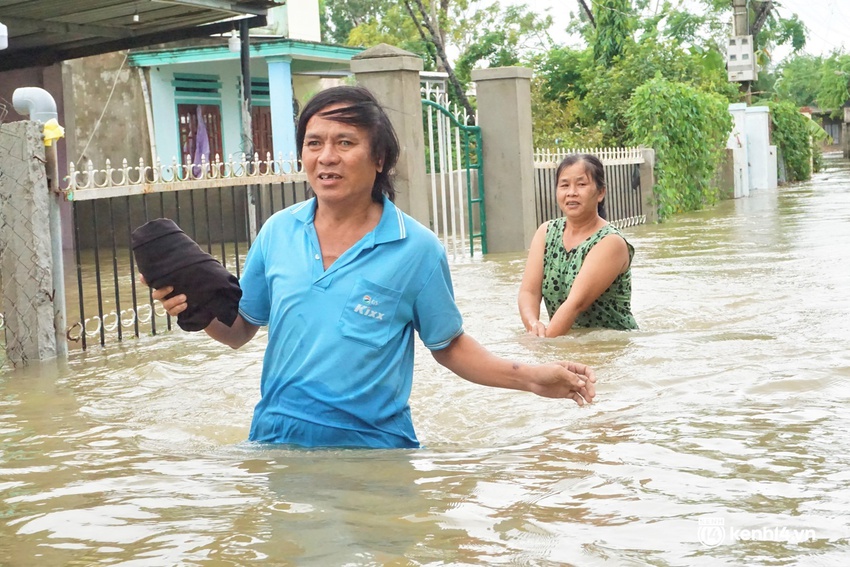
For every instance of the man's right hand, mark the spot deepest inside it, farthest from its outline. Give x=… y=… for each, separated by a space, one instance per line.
x=173 y=305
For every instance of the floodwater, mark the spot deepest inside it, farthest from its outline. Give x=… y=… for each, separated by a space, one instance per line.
x=719 y=435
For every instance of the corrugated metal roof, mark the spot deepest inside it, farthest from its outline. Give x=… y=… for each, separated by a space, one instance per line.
x=42 y=32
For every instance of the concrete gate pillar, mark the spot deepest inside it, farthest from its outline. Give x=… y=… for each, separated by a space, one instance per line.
x=26 y=263
x=392 y=75
x=504 y=115
x=649 y=204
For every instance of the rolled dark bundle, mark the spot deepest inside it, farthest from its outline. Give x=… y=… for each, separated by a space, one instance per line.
x=166 y=256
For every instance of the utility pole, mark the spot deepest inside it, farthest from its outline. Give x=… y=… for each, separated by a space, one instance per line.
x=741 y=27
x=740 y=18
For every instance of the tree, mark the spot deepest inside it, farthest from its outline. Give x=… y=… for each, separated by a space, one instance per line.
x=340 y=17
x=556 y=122
x=510 y=36
x=421 y=18
x=476 y=29
x=689 y=142
x=833 y=93
x=609 y=88
x=370 y=22
x=799 y=79
x=560 y=71
x=614 y=21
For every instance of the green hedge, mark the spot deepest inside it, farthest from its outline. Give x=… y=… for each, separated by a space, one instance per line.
x=688 y=129
x=791 y=136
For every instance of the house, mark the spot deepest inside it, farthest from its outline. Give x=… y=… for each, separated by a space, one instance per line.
x=185 y=98
x=49 y=42
x=199 y=90
x=140 y=97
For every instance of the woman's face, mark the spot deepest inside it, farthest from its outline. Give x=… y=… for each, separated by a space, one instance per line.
x=337 y=158
x=577 y=193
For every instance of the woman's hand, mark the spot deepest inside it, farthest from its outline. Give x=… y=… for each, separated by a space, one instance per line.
x=537 y=329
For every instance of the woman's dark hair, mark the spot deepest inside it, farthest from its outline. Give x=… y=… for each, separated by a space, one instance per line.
x=593 y=167
x=360 y=109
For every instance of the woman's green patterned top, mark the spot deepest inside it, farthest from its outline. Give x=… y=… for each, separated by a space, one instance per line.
x=612 y=309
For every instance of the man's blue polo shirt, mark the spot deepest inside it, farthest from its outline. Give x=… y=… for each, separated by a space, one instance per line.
x=338 y=367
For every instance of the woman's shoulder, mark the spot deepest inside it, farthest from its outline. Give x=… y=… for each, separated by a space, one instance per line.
x=608 y=231
x=552 y=226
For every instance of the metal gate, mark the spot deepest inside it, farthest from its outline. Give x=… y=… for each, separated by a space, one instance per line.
x=220 y=205
x=454 y=164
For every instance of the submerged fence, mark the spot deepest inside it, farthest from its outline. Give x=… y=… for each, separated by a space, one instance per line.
x=221 y=205
x=625 y=198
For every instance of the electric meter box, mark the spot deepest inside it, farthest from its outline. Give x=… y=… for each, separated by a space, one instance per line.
x=740 y=61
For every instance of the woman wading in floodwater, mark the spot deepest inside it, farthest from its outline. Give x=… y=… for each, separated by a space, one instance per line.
x=578 y=264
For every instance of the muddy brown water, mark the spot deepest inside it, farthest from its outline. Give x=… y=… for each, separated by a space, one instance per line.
x=719 y=436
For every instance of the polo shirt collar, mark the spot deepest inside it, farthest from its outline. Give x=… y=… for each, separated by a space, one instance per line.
x=390 y=228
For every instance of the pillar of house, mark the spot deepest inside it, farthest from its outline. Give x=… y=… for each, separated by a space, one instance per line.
x=282 y=107
x=504 y=115
x=26 y=262
x=392 y=75
x=649 y=204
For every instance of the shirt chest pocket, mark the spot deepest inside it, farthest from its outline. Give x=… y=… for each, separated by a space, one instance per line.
x=369 y=313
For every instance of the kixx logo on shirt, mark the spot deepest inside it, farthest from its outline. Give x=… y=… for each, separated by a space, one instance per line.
x=365 y=308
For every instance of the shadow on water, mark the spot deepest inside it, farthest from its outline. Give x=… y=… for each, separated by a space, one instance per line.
x=717 y=438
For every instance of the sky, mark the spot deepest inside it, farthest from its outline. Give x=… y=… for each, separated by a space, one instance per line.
x=828 y=21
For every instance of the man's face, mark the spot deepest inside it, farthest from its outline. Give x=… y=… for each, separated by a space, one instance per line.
x=337 y=158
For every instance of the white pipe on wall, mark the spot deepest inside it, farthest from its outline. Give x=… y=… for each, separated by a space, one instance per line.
x=34 y=102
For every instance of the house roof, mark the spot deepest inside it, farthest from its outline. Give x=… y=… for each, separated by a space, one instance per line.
x=306 y=57
x=43 y=32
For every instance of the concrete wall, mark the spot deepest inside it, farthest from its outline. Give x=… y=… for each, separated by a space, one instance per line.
x=739 y=158
x=52 y=80
x=122 y=130
x=11 y=80
x=47 y=78
x=725 y=177
x=761 y=159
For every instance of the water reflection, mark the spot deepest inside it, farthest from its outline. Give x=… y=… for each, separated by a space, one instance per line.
x=724 y=415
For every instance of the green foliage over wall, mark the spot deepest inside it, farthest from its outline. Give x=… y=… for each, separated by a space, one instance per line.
x=688 y=129
x=835 y=79
x=608 y=89
x=799 y=79
x=554 y=122
x=791 y=136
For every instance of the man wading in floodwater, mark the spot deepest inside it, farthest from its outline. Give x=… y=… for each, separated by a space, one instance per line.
x=342 y=281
